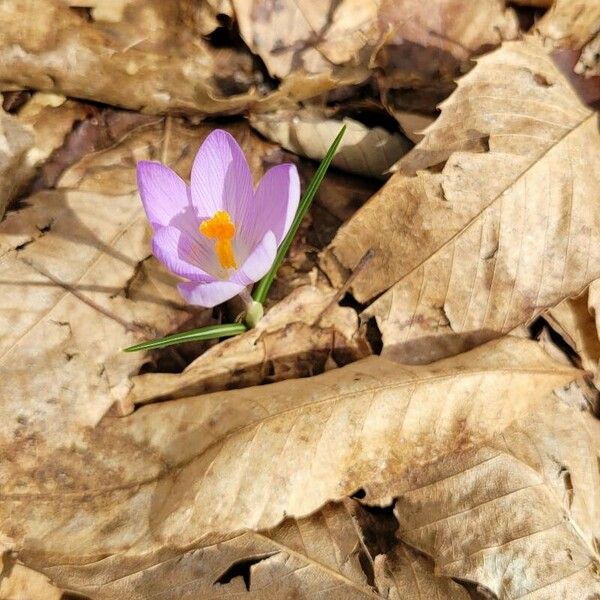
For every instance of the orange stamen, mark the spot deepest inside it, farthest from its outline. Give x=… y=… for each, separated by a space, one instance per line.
x=220 y=228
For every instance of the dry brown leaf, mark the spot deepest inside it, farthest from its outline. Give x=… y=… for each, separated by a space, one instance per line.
x=363 y=150
x=134 y=491
x=52 y=118
x=31 y=136
x=16 y=140
x=574 y=320
x=519 y=515
x=508 y=228
x=20 y=583
x=168 y=140
x=148 y=61
x=413 y=124
x=66 y=262
x=427 y=45
x=569 y=23
x=588 y=64
x=339 y=552
x=311 y=37
x=303 y=335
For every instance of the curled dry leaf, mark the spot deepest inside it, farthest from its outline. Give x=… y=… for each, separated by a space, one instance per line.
x=123 y=496
x=572 y=29
x=589 y=61
x=368 y=151
x=576 y=320
x=569 y=23
x=427 y=45
x=52 y=118
x=315 y=38
x=508 y=228
x=301 y=336
x=148 y=61
x=39 y=128
x=521 y=514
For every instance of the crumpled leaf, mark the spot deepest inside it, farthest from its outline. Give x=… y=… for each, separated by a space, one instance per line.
x=123 y=495
x=572 y=29
x=569 y=23
x=312 y=37
x=427 y=45
x=303 y=335
x=575 y=319
x=363 y=150
x=589 y=61
x=148 y=61
x=340 y=551
x=509 y=227
x=521 y=514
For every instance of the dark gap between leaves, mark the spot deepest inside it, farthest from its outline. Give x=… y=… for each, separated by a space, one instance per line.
x=242 y=568
x=539 y=325
x=85 y=12
x=475 y=590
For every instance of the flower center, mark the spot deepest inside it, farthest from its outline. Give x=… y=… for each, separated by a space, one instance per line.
x=221 y=229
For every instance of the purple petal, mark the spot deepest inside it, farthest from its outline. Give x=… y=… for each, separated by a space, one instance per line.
x=259 y=261
x=164 y=194
x=221 y=179
x=209 y=294
x=275 y=204
x=182 y=255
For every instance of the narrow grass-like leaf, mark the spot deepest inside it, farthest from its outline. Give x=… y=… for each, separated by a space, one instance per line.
x=262 y=289
x=194 y=335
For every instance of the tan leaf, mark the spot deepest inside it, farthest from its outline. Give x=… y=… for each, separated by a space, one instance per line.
x=427 y=45
x=363 y=150
x=296 y=338
x=508 y=228
x=331 y=554
x=311 y=37
x=20 y=583
x=574 y=320
x=51 y=117
x=147 y=61
x=519 y=515
x=134 y=491
x=589 y=61
x=569 y=23
x=404 y=573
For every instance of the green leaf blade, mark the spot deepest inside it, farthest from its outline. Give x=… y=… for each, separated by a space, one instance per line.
x=262 y=289
x=194 y=335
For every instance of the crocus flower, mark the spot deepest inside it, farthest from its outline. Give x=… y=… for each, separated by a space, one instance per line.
x=219 y=233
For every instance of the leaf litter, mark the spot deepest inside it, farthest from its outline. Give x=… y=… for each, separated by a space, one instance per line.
x=293 y=461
